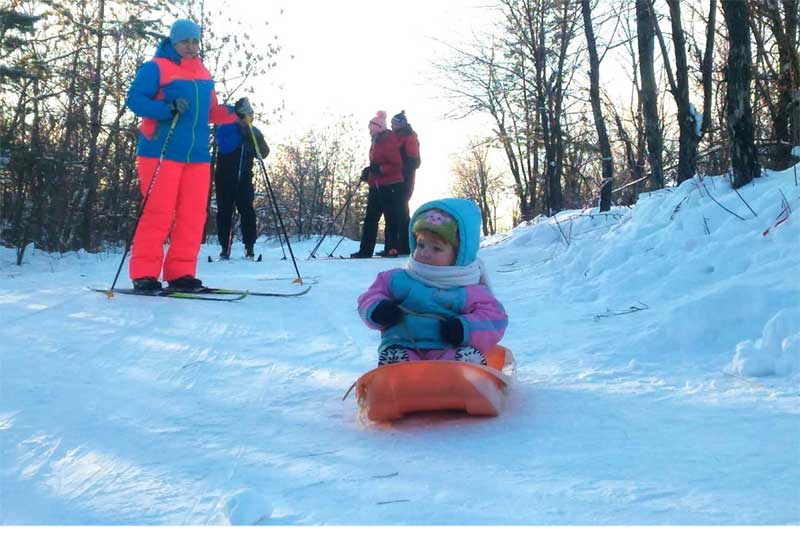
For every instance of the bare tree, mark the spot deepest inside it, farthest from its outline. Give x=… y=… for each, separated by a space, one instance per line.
x=474 y=179
x=744 y=159
x=780 y=87
x=691 y=123
x=546 y=29
x=628 y=119
x=597 y=109
x=316 y=175
x=479 y=81
x=66 y=137
x=88 y=201
x=645 y=25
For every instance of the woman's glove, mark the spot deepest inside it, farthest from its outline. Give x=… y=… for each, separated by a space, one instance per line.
x=387 y=313
x=452 y=331
x=179 y=106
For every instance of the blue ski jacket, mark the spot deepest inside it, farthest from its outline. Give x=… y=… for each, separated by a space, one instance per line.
x=158 y=82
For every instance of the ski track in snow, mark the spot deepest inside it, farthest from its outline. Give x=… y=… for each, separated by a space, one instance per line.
x=154 y=411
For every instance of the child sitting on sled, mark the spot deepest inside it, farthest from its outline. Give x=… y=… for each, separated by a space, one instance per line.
x=440 y=305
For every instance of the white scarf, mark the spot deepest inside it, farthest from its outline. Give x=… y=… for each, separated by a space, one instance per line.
x=448 y=277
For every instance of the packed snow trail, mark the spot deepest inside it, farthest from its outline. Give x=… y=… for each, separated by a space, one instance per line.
x=157 y=411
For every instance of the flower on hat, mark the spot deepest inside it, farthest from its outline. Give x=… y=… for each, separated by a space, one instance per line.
x=437 y=218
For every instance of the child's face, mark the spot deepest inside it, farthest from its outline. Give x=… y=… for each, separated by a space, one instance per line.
x=433 y=250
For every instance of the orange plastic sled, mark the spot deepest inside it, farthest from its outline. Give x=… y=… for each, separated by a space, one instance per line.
x=392 y=391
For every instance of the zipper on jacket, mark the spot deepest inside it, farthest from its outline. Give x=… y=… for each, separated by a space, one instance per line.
x=196 y=116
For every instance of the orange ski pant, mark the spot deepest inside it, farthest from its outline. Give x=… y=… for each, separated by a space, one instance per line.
x=176 y=209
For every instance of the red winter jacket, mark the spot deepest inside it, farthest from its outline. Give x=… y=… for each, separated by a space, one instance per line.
x=385 y=151
x=409 y=150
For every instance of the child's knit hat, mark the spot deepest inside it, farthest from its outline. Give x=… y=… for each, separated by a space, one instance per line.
x=438 y=222
x=461 y=226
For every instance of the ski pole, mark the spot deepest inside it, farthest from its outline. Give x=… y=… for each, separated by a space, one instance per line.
x=277 y=231
x=333 y=221
x=235 y=206
x=344 y=223
x=335 y=247
x=110 y=292
x=319 y=242
x=270 y=205
x=299 y=279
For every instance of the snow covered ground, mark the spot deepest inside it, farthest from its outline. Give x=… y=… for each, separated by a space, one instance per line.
x=658 y=354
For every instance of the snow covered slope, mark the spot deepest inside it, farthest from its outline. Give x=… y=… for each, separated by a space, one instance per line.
x=658 y=353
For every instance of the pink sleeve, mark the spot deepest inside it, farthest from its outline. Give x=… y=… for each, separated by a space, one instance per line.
x=379 y=290
x=221 y=114
x=484 y=318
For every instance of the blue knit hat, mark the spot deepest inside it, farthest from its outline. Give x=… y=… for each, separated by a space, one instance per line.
x=183 y=29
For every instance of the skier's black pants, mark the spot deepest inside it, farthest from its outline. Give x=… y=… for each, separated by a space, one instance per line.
x=403 y=245
x=240 y=195
x=384 y=201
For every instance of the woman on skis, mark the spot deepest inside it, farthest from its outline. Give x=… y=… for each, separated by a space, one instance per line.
x=174 y=95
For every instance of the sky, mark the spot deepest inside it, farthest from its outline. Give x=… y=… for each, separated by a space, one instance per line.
x=356 y=57
x=657 y=358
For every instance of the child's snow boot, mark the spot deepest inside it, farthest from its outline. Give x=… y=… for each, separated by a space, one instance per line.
x=392 y=354
x=470 y=354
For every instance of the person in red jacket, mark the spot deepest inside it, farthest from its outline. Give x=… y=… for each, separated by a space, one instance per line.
x=409 y=151
x=174 y=82
x=385 y=177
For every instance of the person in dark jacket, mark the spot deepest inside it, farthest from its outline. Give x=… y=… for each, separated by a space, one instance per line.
x=233 y=178
x=174 y=95
x=385 y=177
x=409 y=151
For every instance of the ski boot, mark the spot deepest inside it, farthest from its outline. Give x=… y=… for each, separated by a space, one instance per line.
x=147 y=284
x=186 y=284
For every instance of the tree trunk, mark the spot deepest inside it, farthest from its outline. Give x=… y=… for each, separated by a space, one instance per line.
x=792 y=10
x=744 y=159
x=649 y=92
x=690 y=130
x=785 y=125
x=597 y=110
x=89 y=199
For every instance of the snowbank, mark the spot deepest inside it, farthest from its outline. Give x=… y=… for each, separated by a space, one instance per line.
x=698 y=253
x=776 y=352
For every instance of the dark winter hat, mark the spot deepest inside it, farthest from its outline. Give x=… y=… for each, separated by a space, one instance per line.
x=400 y=119
x=183 y=29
